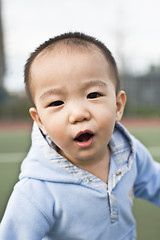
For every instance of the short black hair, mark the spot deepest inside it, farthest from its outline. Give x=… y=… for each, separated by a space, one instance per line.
x=70 y=38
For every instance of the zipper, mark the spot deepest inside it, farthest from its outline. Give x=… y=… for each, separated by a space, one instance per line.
x=113 y=207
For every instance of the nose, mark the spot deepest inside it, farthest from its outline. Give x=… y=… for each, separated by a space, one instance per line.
x=78 y=113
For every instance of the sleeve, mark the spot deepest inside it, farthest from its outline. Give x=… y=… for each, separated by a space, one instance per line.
x=23 y=220
x=147 y=184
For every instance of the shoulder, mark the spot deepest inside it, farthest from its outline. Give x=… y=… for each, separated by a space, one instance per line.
x=36 y=194
x=137 y=146
x=25 y=214
x=141 y=151
x=34 y=189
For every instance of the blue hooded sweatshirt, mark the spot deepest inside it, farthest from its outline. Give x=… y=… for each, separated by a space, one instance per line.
x=55 y=200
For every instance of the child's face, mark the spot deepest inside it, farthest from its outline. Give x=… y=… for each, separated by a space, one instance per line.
x=76 y=103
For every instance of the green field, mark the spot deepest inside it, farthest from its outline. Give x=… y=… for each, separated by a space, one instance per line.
x=14 y=146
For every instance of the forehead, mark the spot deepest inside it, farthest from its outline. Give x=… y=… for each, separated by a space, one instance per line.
x=64 y=47
x=62 y=54
x=64 y=51
x=45 y=64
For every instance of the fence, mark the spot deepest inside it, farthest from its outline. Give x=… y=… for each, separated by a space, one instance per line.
x=143 y=92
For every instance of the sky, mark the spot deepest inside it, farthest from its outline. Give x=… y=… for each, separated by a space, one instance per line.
x=130 y=29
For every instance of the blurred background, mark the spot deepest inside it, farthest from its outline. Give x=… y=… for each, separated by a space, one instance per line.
x=130 y=29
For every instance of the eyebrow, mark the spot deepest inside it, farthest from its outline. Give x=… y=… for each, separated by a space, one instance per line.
x=51 y=92
x=58 y=91
x=93 y=83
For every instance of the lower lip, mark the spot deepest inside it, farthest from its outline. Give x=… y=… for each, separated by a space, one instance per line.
x=85 y=144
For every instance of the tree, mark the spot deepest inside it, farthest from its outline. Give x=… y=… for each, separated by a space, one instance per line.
x=2 y=62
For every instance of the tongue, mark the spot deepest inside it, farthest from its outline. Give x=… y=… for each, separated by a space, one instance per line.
x=84 y=137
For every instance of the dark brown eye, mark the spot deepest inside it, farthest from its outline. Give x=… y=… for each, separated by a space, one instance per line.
x=56 y=103
x=93 y=95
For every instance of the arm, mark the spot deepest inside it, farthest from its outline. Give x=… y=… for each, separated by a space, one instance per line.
x=23 y=220
x=147 y=184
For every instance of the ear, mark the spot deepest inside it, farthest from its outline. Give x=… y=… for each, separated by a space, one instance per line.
x=35 y=116
x=121 y=101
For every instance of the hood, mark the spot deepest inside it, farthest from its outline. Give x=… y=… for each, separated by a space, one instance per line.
x=44 y=163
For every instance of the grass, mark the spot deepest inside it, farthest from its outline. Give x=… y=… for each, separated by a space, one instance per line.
x=15 y=141
x=146 y=214
x=147 y=218
x=150 y=137
x=12 y=143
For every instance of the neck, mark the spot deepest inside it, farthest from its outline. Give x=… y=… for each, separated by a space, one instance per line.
x=98 y=166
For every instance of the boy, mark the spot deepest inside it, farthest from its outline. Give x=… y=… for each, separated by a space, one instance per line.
x=78 y=178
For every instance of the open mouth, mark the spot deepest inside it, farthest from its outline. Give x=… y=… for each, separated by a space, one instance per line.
x=84 y=139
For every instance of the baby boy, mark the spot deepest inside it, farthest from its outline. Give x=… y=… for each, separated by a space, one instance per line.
x=79 y=177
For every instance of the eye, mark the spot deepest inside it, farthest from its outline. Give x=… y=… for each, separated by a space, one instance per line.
x=94 y=95
x=56 y=103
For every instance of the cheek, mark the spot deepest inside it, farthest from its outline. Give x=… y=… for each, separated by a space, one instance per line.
x=58 y=134
x=107 y=113
x=107 y=121
x=107 y=124
x=53 y=126
x=56 y=131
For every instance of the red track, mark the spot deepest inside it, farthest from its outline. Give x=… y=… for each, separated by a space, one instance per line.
x=128 y=122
